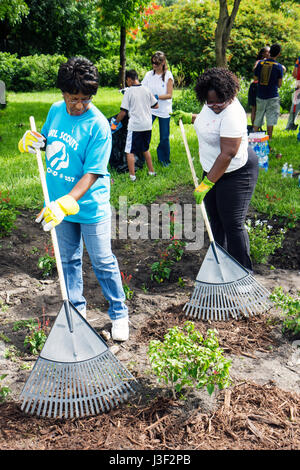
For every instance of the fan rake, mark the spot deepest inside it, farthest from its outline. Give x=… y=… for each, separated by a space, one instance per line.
x=75 y=374
x=223 y=288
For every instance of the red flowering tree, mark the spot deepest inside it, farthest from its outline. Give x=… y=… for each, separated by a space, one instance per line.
x=124 y=14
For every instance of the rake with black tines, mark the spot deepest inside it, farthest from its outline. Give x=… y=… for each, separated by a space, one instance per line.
x=224 y=288
x=75 y=374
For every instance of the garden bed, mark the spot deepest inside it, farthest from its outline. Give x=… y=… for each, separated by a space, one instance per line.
x=259 y=411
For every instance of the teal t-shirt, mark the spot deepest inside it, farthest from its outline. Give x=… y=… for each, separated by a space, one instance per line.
x=77 y=145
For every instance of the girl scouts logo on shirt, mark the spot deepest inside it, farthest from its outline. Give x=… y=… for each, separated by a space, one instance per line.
x=56 y=152
x=57 y=156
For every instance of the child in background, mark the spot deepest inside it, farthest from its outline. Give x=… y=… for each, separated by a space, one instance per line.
x=137 y=102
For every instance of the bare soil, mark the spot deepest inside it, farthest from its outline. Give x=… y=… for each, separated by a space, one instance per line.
x=259 y=411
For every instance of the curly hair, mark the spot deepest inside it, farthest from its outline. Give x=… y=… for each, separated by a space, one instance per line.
x=78 y=75
x=219 y=79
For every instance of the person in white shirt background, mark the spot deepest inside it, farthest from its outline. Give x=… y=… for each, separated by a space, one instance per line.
x=160 y=82
x=230 y=166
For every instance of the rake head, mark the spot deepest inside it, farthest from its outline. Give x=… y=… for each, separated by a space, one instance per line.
x=224 y=289
x=236 y=300
x=76 y=374
x=76 y=389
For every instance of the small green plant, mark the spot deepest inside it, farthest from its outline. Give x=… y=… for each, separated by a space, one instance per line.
x=291 y=310
x=272 y=203
x=262 y=242
x=37 y=336
x=125 y=280
x=4 y=391
x=185 y=358
x=3 y=306
x=176 y=248
x=8 y=215
x=4 y=338
x=292 y=219
x=47 y=262
x=161 y=269
x=181 y=282
x=30 y=324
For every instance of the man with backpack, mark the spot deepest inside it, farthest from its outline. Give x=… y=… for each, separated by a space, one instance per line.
x=269 y=74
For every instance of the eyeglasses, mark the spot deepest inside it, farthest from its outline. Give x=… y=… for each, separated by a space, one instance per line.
x=82 y=101
x=217 y=105
x=155 y=63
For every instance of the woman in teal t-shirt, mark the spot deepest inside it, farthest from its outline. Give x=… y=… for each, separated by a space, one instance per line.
x=77 y=140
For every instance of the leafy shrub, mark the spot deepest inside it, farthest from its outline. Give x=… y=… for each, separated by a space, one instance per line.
x=37 y=72
x=262 y=242
x=185 y=358
x=290 y=307
x=8 y=67
x=108 y=70
x=285 y=93
x=187 y=101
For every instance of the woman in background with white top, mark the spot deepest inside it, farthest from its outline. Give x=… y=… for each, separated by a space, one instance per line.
x=230 y=165
x=160 y=82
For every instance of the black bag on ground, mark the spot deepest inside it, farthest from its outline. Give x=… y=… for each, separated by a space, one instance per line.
x=118 y=159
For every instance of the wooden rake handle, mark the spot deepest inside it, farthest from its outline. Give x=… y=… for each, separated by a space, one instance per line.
x=53 y=232
x=195 y=179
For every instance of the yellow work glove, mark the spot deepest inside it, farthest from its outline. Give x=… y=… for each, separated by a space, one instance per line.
x=203 y=188
x=185 y=117
x=31 y=141
x=52 y=215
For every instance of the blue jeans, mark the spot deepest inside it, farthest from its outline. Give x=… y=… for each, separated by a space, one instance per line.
x=97 y=239
x=163 y=149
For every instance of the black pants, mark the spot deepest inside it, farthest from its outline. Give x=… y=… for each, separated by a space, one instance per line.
x=227 y=205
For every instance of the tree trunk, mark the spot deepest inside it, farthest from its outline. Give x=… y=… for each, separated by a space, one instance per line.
x=122 y=57
x=223 y=30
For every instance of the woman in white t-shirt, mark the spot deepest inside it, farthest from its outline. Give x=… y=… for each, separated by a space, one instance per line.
x=230 y=165
x=160 y=81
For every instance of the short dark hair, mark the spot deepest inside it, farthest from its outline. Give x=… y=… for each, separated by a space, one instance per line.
x=78 y=75
x=131 y=74
x=275 y=49
x=219 y=79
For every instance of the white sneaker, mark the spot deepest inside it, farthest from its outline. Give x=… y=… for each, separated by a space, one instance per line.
x=151 y=173
x=120 y=329
x=132 y=177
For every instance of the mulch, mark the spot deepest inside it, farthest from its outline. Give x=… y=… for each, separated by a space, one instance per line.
x=246 y=336
x=248 y=416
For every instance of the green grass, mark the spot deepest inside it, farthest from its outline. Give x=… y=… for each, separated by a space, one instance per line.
x=19 y=173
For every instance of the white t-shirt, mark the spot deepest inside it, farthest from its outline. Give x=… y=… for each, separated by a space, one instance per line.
x=158 y=86
x=209 y=126
x=138 y=100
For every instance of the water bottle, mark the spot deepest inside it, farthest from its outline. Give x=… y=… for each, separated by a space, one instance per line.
x=290 y=171
x=265 y=162
x=256 y=148
x=284 y=170
x=259 y=156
